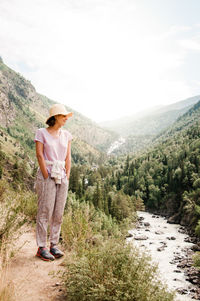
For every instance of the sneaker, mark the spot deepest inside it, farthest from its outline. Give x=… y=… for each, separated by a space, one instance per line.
x=44 y=254
x=56 y=252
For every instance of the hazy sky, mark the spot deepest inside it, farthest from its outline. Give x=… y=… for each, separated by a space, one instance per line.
x=104 y=58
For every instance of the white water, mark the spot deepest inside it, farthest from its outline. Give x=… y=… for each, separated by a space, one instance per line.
x=163 y=258
x=116 y=145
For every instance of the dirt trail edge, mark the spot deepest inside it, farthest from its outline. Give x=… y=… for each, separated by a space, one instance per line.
x=33 y=278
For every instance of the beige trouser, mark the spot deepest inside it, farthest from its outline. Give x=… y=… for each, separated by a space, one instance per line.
x=51 y=204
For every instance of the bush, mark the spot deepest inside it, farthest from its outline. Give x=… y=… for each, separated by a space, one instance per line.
x=28 y=205
x=101 y=267
x=196 y=259
x=113 y=272
x=1 y=171
x=14 y=210
x=197 y=229
x=76 y=228
x=83 y=225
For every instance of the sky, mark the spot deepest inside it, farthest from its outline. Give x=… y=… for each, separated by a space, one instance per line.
x=104 y=58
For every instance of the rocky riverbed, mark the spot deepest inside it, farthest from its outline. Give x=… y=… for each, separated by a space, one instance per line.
x=171 y=249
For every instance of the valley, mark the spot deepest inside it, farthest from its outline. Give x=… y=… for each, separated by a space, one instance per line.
x=147 y=163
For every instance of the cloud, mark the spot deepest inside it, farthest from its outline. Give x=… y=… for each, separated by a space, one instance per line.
x=191 y=44
x=100 y=57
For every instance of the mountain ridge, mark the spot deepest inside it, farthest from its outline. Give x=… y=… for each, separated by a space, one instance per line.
x=23 y=110
x=151 y=122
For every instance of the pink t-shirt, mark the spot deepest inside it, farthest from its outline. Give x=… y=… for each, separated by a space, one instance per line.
x=55 y=148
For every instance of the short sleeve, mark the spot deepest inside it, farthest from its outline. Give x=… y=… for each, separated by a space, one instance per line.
x=39 y=136
x=68 y=135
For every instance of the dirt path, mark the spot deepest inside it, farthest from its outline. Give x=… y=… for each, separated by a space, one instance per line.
x=33 y=278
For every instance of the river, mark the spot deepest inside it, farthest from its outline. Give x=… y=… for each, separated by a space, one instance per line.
x=163 y=242
x=116 y=145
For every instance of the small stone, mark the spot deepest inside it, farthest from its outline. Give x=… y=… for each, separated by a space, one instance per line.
x=172 y=262
x=159 y=232
x=160 y=249
x=182 y=291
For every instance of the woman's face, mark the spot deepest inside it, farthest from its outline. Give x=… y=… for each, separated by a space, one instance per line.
x=61 y=119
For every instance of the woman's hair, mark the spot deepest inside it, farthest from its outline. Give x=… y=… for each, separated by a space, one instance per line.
x=51 y=121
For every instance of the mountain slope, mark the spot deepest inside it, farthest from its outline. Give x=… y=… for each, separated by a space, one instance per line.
x=23 y=110
x=151 y=122
x=167 y=176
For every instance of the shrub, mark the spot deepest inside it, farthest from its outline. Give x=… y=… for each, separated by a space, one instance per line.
x=113 y=272
x=28 y=205
x=197 y=229
x=76 y=228
x=83 y=225
x=1 y=171
x=14 y=210
x=196 y=259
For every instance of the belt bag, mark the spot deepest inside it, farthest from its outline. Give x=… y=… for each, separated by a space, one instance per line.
x=56 y=170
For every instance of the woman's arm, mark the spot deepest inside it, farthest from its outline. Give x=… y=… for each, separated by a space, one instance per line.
x=40 y=158
x=68 y=160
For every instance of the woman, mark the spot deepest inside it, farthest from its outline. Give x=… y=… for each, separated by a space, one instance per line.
x=53 y=150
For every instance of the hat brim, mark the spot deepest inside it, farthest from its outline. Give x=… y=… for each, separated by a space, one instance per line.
x=69 y=114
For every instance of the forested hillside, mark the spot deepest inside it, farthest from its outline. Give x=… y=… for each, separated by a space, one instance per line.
x=167 y=177
x=141 y=129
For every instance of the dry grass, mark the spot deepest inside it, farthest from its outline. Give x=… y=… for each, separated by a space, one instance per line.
x=6 y=288
x=15 y=210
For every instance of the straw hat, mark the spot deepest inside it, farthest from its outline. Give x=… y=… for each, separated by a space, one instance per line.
x=58 y=109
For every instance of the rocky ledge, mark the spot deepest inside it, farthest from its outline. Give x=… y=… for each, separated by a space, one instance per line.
x=192 y=274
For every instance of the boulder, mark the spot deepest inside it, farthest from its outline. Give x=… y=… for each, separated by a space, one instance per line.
x=196 y=248
x=192 y=240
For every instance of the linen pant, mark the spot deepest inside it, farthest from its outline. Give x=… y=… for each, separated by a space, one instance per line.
x=51 y=203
